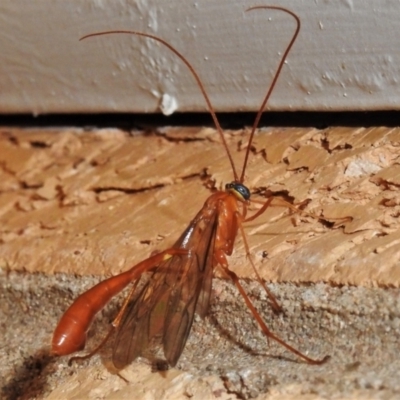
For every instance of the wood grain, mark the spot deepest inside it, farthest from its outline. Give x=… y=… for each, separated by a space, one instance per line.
x=99 y=201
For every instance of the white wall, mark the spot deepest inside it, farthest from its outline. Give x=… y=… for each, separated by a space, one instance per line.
x=347 y=56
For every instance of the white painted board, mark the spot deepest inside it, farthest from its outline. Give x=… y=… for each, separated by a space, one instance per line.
x=347 y=56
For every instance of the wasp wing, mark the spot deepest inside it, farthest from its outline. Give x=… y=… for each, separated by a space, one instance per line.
x=166 y=304
x=191 y=292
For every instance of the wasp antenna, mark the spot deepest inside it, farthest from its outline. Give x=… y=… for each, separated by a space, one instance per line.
x=272 y=85
x=194 y=73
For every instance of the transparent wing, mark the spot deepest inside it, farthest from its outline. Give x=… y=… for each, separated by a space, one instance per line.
x=166 y=304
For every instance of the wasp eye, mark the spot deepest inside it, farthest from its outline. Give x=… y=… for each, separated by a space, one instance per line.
x=237 y=188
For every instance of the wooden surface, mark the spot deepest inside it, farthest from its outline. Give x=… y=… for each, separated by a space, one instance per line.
x=76 y=203
x=98 y=202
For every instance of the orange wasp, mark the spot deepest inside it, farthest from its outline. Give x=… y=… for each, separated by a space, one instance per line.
x=180 y=285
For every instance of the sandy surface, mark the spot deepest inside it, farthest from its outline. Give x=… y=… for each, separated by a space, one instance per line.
x=226 y=355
